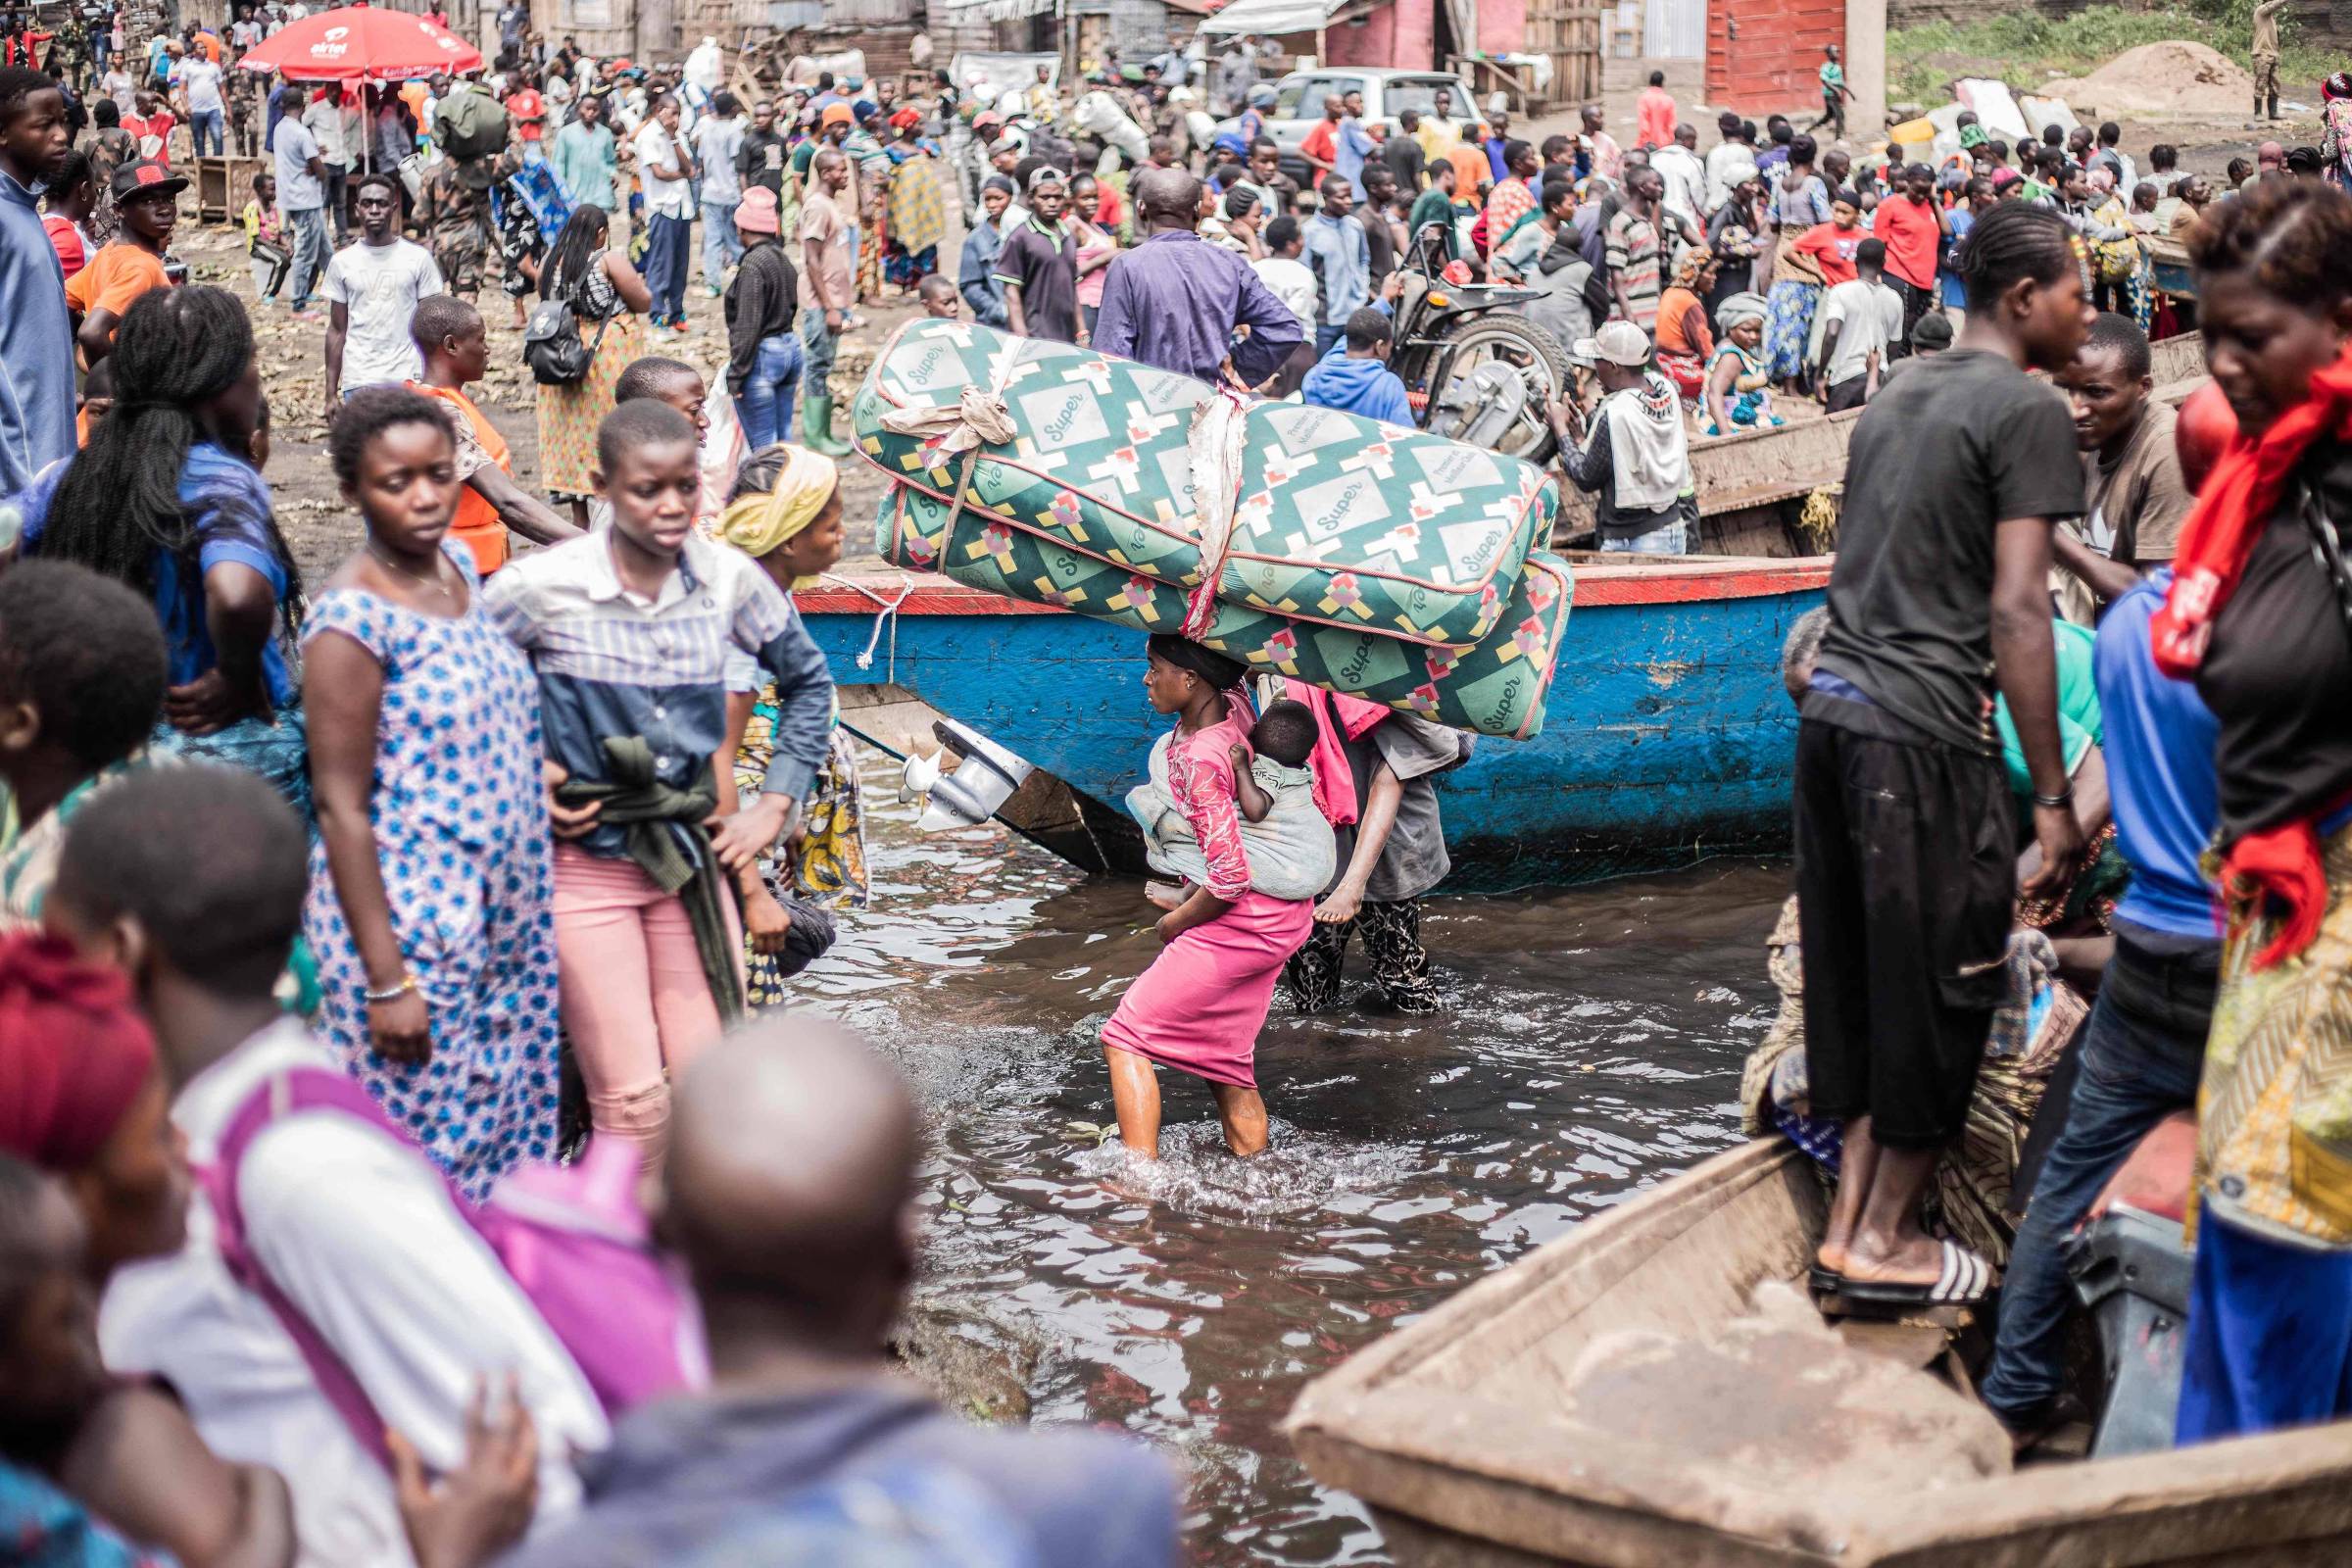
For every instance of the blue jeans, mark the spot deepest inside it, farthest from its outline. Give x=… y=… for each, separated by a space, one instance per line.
x=1326 y=336
x=2142 y=1054
x=722 y=248
x=764 y=405
x=204 y=131
x=306 y=235
x=1673 y=539
x=669 y=242
x=820 y=341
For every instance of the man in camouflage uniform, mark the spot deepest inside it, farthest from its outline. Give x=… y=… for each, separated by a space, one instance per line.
x=456 y=216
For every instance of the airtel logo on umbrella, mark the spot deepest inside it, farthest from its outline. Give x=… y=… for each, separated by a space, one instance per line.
x=330 y=44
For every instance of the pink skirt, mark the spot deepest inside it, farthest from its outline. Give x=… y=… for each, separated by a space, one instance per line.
x=1201 y=1005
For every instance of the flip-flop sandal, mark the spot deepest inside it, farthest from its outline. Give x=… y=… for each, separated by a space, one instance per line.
x=1824 y=1281
x=1965 y=1281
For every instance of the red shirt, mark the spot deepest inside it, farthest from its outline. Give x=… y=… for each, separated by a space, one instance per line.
x=1654 y=124
x=72 y=251
x=1834 y=248
x=529 y=112
x=159 y=126
x=1322 y=142
x=1910 y=231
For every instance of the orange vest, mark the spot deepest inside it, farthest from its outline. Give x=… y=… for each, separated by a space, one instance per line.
x=477 y=526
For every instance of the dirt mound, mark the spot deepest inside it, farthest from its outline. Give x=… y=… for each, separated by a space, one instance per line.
x=2175 y=77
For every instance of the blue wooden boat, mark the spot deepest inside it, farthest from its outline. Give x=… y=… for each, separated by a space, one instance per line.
x=1669 y=736
x=2174 y=274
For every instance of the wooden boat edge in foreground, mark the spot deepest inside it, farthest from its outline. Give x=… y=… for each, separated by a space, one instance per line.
x=1385 y=1426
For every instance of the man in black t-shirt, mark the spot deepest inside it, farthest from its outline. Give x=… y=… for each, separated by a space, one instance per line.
x=1905 y=846
x=762 y=158
x=1402 y=153
x=1038 y=265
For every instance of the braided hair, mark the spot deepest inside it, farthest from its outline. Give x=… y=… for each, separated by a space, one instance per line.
x=566 y=264
x=177 y=350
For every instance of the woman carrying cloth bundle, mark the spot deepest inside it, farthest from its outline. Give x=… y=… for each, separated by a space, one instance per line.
x=1202 y=1004
x=629 y=631
x=2260 y=617
x=784 y=512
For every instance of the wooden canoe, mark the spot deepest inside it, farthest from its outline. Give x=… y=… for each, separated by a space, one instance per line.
x=1746 y=480
x=1444 y=1429
x=2174 y=273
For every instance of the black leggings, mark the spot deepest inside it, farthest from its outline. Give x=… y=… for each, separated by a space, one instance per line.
x=1392 y=935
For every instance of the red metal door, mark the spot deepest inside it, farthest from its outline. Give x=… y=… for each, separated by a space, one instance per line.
x=1763 y=54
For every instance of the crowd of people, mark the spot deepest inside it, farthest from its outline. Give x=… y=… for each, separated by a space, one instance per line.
x=313 y=894
x=458 y=821
x=2184 y=768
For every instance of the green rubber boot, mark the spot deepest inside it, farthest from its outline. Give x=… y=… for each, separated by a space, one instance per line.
x=816 y=428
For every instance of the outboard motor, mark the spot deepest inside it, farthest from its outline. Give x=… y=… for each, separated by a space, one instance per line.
x=984 y=778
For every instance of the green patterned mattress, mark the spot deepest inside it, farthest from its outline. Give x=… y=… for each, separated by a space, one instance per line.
x=1495 y=687
x=1337 y=520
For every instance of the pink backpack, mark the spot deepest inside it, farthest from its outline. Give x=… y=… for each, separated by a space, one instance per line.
x=572 y=1237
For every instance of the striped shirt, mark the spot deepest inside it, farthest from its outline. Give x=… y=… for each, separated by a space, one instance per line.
x=612 y=663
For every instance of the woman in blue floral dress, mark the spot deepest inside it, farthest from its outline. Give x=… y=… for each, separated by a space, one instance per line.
x=432 y=879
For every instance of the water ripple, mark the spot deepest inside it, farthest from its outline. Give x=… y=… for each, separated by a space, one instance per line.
x=1592 y=1046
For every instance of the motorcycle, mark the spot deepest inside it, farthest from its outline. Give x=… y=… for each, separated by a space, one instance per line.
x=1475 y=369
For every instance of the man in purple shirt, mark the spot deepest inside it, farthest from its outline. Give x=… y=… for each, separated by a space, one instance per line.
x=1175 y=301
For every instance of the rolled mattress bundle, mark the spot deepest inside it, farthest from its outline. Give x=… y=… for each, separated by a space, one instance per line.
x=1302 y=540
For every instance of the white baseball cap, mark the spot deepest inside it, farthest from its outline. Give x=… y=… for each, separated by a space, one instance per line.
x=1618 y=342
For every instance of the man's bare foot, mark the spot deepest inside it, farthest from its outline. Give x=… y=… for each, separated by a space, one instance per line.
x=1835 y=1245
x=1167 y=895
x=1916 y=1259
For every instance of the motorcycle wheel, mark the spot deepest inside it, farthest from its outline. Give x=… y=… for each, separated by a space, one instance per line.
x=1541 y=361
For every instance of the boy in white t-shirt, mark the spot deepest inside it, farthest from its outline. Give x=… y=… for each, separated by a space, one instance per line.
x=1861 y=321
x=1291 y=282
x=371 y=290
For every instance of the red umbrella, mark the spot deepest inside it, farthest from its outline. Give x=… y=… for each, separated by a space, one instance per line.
x=362 y=43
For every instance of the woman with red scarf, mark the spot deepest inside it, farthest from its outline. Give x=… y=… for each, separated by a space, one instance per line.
x=2260 y=617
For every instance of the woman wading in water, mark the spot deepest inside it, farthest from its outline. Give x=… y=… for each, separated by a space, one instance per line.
x=1201 y=1005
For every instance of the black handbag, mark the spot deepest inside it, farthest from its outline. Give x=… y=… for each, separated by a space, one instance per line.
x=552 y=345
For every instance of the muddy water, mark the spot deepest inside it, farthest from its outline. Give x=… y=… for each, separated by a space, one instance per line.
x=1593 y=1046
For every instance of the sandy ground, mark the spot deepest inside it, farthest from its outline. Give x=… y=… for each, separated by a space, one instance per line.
x=323 y=529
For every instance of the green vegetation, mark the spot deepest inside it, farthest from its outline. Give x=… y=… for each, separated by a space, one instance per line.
x=2032 y=48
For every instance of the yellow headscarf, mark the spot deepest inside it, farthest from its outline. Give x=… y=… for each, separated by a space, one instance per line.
x=757 y=522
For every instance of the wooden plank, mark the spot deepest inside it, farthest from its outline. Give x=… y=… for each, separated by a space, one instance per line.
x=1914 y=1345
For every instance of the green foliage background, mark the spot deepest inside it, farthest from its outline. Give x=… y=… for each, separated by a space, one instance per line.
x=2032 y=48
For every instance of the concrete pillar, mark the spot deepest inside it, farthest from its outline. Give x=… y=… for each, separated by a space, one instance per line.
x=1866 y=68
